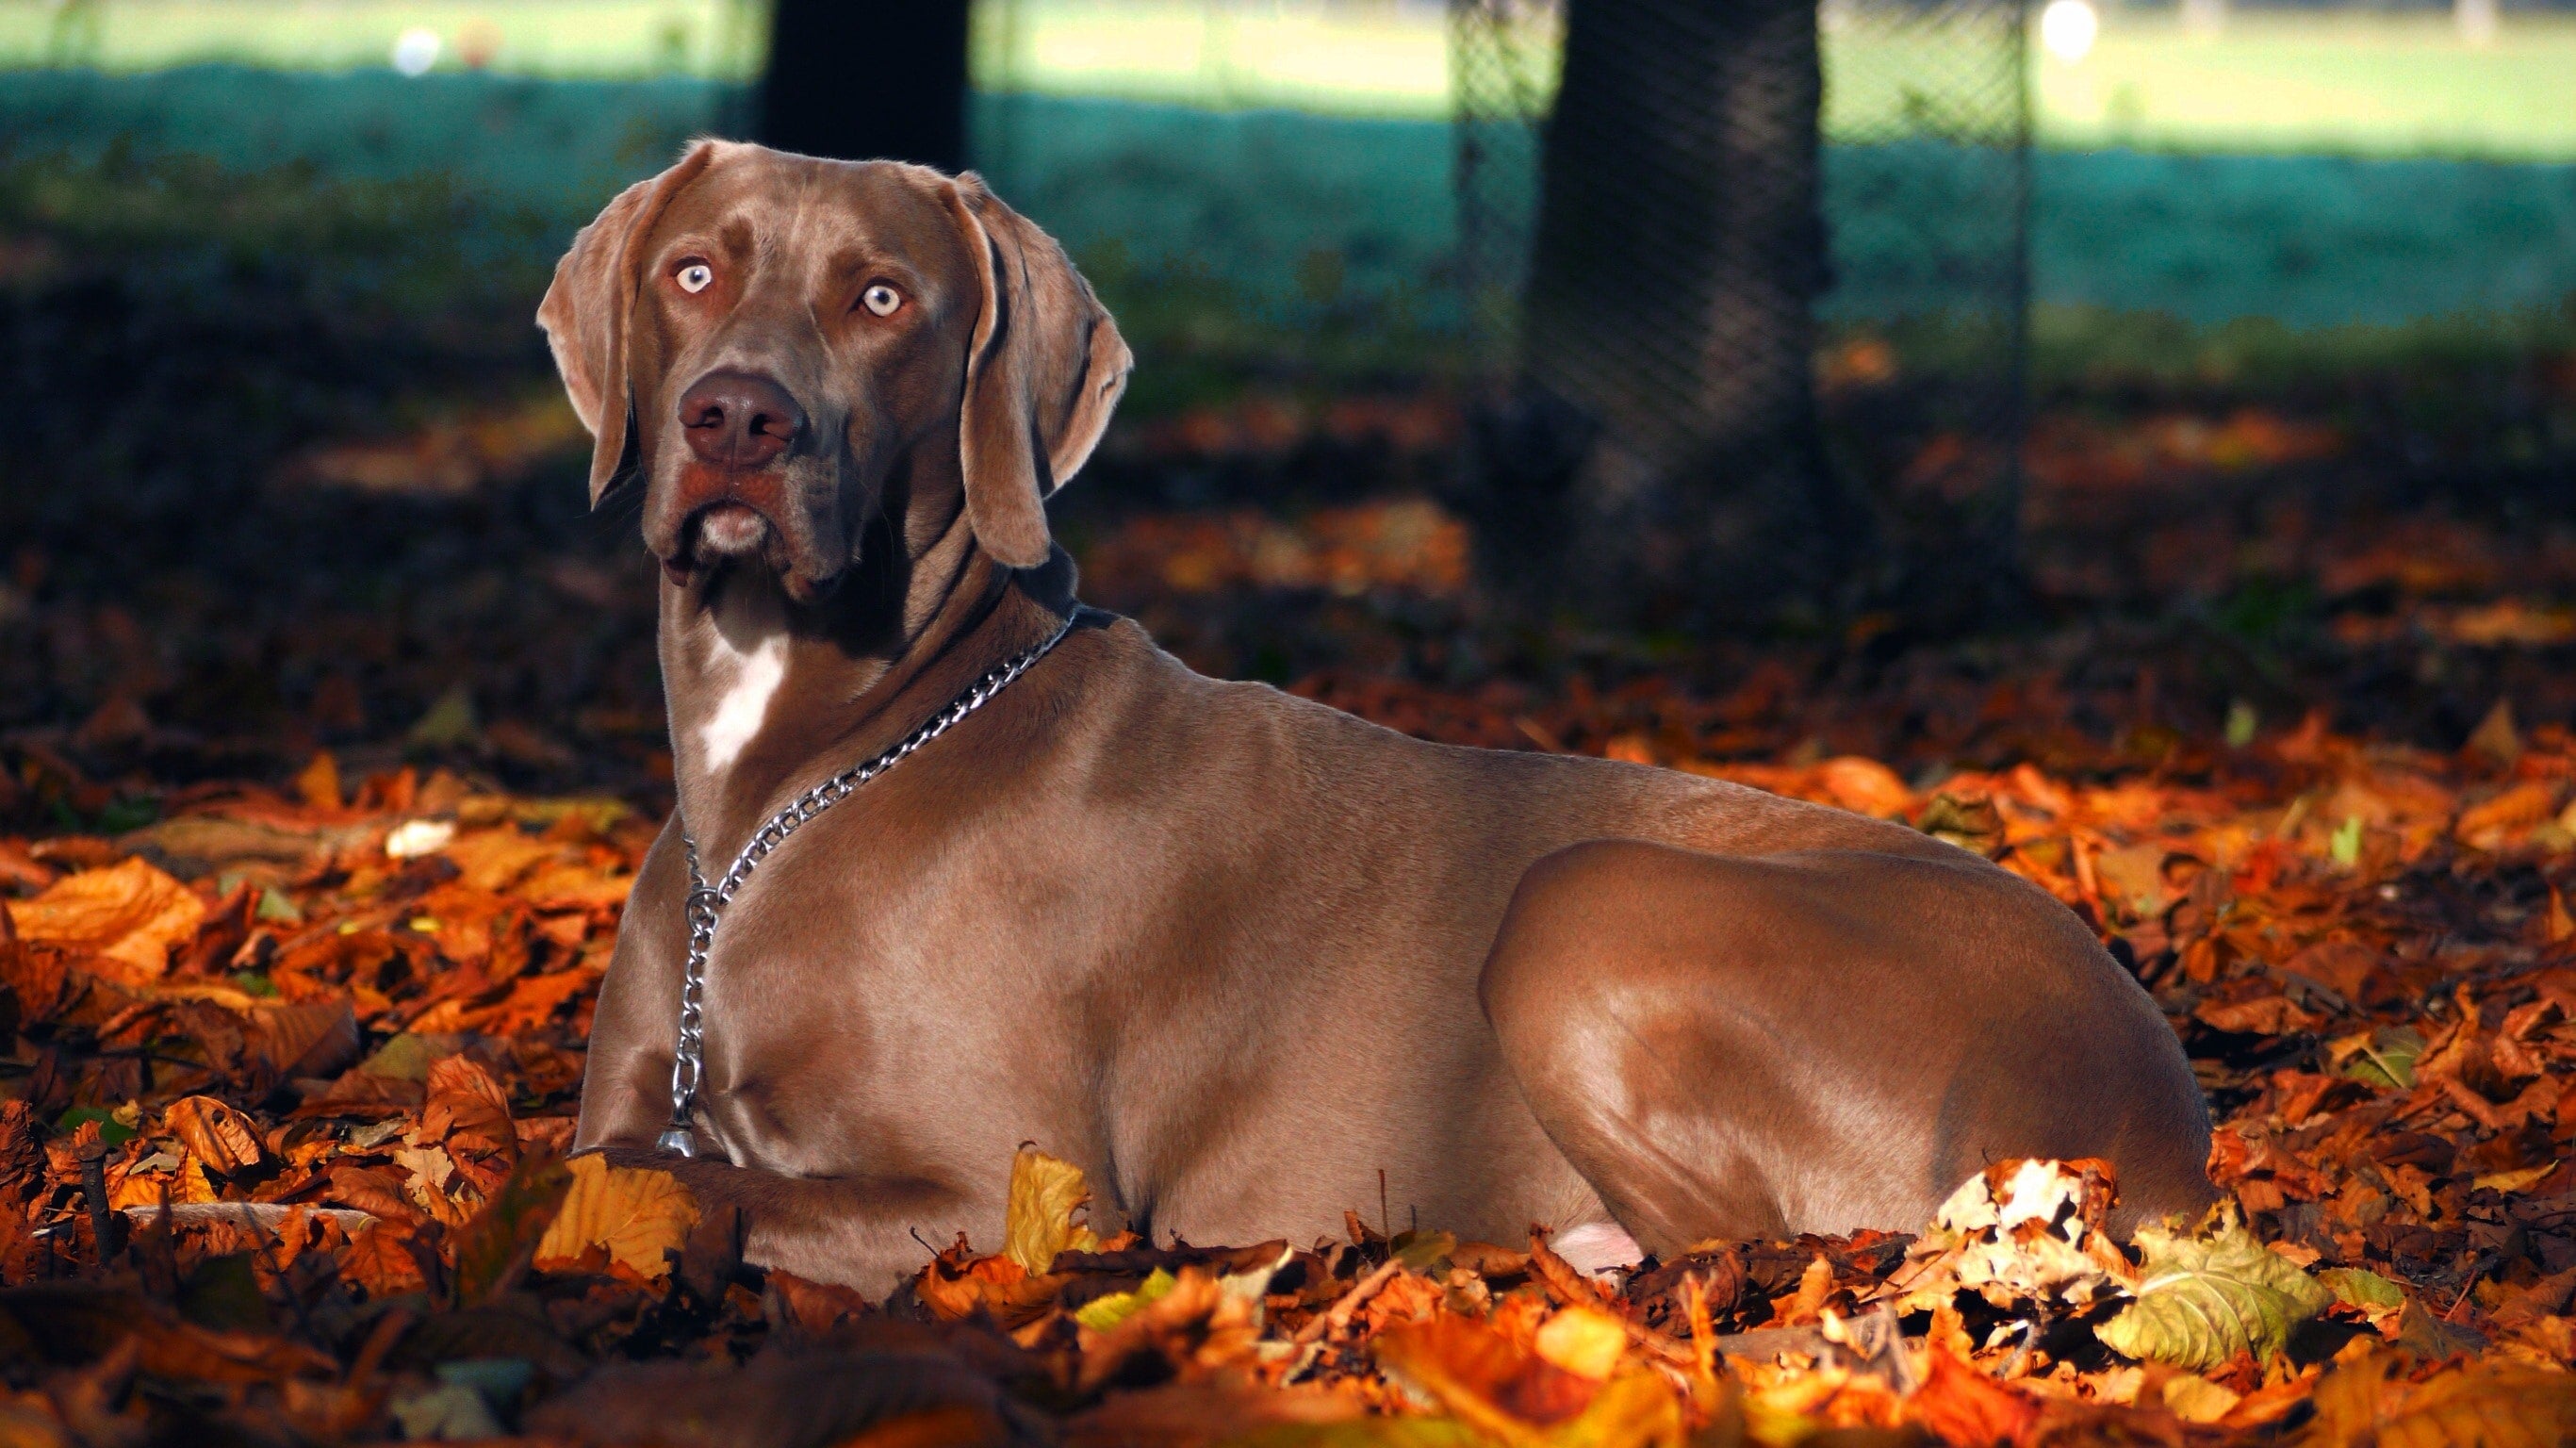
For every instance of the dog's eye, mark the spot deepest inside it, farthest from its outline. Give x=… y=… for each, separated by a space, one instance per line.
x=881 y=299
x=696 y=276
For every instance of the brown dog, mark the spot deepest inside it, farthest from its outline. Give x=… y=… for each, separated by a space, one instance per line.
x=1232 y=952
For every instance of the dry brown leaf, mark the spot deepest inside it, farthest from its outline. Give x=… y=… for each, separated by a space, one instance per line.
x=576 y=887
x=380 y=1260
x=467 y=1110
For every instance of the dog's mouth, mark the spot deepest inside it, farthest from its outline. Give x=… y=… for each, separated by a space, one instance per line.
x=730 y=532
x=727 y=531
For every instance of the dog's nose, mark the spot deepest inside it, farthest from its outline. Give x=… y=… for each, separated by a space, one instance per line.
x=737 y=420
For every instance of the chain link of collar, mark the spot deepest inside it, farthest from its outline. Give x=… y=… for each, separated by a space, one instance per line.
x=707 y=903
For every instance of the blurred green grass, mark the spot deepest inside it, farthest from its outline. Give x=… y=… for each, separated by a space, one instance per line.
x=2363 y=83
x=720 y=39
x=2360 y=82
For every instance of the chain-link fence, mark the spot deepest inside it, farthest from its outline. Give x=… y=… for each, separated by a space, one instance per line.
x=1922 y=373
x=1658 y=235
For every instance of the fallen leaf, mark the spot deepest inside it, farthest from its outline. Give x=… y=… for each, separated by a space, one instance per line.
x=2369 y=1404
x=1962 y=1405
x=1585 y=1341
x=638 y=1216
x=214 y=1133
x=1046 y=1194
x=1495 y=1385
x=2209 y=1295
x=496 y=859
x=130 y=913
x=491 y=1247
x=2490 y=824
x=2023 y=1231
x=2198 y=1400
x=1105 y=1312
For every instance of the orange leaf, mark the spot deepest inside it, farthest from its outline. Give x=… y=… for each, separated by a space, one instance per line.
x=381 y=1262
x=130 y=913
x=1962 y=1405
x=2487 y=824
x=533 y=1001
x=319 y=782
x=496 y=859
x=214 y=1133
x=1492 y=1383
x=2369 y=1401
x=2263 y=1016
x=1865 y=786
x=467 y=1110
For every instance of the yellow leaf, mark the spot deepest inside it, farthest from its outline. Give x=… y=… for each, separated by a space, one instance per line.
x=129 y=912
x=1584 y=1341
x=1640 y=1410
x=2197 y=1399
x=2209 y=1295
x=1105 y=1312
x=636 y=1215
x=1045 y=1195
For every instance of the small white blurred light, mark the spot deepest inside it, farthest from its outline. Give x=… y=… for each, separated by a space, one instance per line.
x=416 y=49
x=2067 y=29
x=414 y=838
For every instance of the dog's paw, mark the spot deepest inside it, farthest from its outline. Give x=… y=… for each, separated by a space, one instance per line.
x=1598 y=1248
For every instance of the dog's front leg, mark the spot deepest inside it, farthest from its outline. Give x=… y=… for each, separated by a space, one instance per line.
x=866 y=1233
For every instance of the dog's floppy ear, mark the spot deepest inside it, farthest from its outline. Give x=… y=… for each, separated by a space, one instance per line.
x=1043 y=373
x=585 y=312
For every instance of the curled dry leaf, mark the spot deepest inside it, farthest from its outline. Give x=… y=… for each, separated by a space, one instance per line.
x=214 y=1133
x=1046 y=1198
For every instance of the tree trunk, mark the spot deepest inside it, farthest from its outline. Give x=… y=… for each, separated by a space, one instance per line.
x=858 y=82
x=1678 y=256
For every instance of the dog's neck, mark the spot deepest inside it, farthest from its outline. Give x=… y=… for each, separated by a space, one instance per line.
x=768 y=696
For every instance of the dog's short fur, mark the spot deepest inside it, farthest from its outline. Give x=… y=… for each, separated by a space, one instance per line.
x=1232 y=952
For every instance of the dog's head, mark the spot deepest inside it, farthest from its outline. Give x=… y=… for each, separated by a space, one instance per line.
x=774 y=345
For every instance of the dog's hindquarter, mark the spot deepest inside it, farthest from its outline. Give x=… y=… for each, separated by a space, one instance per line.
x=1346 y=885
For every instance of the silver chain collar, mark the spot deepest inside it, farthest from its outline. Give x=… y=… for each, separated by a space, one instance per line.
x=707 y=903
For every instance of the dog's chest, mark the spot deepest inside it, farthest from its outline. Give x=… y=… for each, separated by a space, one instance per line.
x=857 y=1028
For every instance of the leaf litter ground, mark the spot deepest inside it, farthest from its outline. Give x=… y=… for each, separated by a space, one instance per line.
x=299 y=976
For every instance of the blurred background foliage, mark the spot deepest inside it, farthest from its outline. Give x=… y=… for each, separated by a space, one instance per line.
x=1264 y=187
x=2313 y=258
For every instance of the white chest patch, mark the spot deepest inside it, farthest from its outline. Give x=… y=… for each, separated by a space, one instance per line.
x=745 y=703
